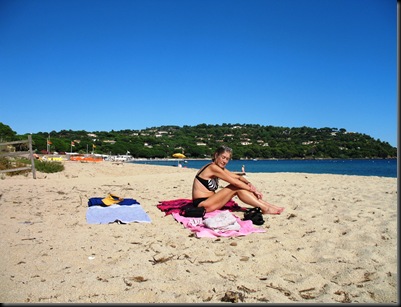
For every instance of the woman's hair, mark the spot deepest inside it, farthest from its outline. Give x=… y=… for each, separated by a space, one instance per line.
x=221 y=150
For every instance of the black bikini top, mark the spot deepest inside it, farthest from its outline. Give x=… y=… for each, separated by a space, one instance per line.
x=211 y=184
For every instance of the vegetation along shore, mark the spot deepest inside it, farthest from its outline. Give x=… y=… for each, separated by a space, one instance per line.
x=247 y=141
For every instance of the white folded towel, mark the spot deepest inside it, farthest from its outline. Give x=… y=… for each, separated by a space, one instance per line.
x=222 y=221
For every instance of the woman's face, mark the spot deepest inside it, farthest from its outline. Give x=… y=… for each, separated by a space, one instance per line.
x=222 y=159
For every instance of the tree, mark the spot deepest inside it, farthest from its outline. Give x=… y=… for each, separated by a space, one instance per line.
x=6 y=133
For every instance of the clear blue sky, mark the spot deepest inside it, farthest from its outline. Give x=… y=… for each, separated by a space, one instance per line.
x=100 y=65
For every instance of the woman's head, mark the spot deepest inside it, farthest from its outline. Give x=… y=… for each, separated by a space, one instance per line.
x=222 y=155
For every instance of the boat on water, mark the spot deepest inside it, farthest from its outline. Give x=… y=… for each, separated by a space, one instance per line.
x=119 y=158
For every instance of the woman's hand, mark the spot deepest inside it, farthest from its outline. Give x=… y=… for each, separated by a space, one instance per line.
x=254 y=191
x=251 y=187
x=258 y=194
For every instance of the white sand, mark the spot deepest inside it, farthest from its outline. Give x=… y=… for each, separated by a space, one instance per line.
x=335 y=242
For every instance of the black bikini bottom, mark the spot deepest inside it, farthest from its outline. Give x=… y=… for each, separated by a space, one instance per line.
x=197 y=201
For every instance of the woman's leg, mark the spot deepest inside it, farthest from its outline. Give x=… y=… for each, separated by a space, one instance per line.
x=218 y=200
x=281 y=209
x=250 y=199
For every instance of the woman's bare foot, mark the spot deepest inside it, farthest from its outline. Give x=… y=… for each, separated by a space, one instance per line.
x=271 y=209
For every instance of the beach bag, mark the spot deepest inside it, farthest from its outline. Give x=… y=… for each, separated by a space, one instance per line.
x=255 y=215
x=191 y=211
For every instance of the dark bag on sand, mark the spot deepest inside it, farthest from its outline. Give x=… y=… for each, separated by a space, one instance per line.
x=255 y=215
x=191 y=211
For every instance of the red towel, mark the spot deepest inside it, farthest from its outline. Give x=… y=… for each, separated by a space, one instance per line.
x=170 y=206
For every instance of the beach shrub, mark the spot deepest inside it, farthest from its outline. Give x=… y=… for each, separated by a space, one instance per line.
x=41 y=166
x=4 y=163
x=48 y=166
x=10 y=163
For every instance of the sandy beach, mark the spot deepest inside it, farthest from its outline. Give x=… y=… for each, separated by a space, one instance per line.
x=336 y=241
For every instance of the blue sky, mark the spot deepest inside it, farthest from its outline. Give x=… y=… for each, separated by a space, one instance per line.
x=99 y=65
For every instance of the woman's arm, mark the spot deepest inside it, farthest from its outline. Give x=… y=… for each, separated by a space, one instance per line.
x=239 y=181
x=234 y=179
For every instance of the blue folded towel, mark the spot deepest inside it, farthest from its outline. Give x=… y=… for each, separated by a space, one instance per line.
x=97 y=201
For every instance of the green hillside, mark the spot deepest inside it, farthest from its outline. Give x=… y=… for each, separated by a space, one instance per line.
x=247 y=141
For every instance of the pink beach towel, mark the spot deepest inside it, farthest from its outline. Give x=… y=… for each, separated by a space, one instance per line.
x=196 y=225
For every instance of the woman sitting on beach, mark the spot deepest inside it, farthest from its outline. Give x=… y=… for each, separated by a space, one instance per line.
x=206 y=183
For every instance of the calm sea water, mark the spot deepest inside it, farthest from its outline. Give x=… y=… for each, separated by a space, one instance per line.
x=363 y=167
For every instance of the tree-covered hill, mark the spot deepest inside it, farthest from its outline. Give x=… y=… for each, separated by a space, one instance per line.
x=200 y=141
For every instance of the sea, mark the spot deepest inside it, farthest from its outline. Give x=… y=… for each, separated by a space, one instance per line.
x=356 y=167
